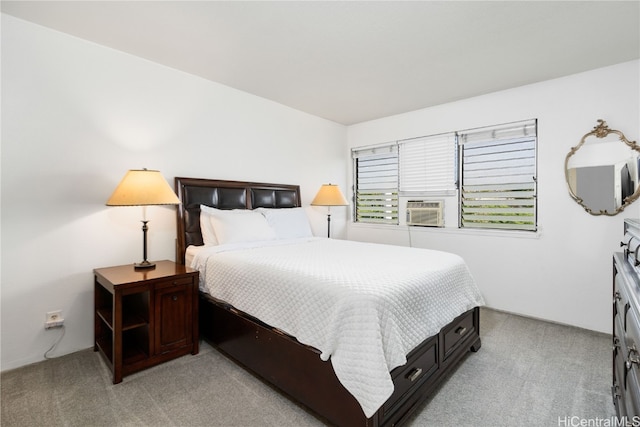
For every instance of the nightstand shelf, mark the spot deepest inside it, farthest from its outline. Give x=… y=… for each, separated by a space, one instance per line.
x=145 y=317
x=132 y=321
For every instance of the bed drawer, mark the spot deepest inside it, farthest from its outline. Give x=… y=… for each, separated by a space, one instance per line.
x=459 y=329
x=421 y=364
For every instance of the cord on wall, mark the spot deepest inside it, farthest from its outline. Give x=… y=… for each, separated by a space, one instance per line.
x=46 y=353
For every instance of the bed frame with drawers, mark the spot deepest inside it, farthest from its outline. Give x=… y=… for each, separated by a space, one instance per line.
x=281 y=360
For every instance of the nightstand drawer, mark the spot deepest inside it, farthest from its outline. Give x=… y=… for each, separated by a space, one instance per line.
x=174 y=282
x=174 y=314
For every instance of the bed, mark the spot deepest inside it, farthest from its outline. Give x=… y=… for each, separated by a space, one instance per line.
x=322 y=377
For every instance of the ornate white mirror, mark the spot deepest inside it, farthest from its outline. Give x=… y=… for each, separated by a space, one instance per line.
x=602 y=171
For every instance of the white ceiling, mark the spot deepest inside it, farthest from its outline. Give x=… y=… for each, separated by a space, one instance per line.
x=352 y=61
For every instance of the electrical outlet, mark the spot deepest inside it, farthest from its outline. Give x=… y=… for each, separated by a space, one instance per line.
x=53 y=319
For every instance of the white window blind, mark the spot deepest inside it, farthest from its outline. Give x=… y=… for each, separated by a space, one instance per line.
x=498 y=177
x=376 y=184
x=427 y=164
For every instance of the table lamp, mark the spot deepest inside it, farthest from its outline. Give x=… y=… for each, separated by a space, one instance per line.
x=143 y=188
x=329 y=195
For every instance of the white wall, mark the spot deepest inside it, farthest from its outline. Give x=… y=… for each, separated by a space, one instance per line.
x=563 y=274
x=76 y=116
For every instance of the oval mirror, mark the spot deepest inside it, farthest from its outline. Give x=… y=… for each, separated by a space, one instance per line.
x=602 y=171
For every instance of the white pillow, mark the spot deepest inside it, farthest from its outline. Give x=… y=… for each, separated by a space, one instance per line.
x=206 y=227
x=288 y=223
x=240 y=225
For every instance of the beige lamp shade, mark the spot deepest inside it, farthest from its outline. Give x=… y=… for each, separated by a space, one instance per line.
x=329 y=195
x=141 y=188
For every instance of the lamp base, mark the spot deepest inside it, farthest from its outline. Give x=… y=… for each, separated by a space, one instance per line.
x=144 y=264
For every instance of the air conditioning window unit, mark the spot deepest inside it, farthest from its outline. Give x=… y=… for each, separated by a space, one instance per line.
x=426 y=213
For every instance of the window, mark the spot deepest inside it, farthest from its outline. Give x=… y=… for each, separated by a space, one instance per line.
x=492 y=169
x=376 y=184
x=428 y=164
x=498 y=177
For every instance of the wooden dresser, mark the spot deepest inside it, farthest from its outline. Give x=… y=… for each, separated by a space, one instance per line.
x=626 y=324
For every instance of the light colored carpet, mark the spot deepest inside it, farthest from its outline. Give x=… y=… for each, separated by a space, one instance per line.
x=527 y=373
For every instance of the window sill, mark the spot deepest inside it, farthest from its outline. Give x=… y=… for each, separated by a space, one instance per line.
x=452 y=230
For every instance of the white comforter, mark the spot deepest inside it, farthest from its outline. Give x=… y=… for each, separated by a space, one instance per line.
x=364 y=306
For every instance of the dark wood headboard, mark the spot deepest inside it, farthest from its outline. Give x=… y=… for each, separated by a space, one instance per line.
x=220 y=194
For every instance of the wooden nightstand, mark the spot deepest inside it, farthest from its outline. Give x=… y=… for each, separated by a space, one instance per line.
x=144 y=317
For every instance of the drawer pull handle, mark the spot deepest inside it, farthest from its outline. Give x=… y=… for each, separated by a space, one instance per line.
x=461 y=330
x=632 y=357
x=615 y=390
x=413 y=375
x=175 y=298
x=628 y=245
